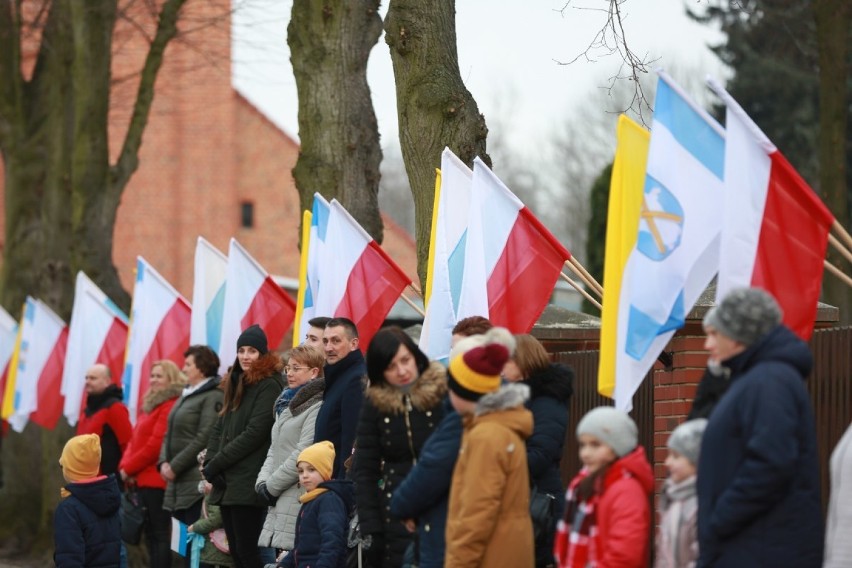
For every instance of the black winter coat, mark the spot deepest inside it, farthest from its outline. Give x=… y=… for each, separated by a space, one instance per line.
x=240 y=439
x=86 y=527
x=391 y=432
x=424 y=494
x=322 y=527
x=550 y=391
x=758 y=478
x=337 y=420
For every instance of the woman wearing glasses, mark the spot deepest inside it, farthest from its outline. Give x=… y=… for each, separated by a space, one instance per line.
x=295 y=416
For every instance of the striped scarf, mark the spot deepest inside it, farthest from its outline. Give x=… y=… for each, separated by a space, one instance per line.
x=576 y=534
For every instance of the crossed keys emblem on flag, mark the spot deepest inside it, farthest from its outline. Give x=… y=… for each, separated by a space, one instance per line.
x=661 y=224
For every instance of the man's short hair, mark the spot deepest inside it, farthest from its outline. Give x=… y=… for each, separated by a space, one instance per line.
x=345 y=323
x=319 y=321
x=473 y=325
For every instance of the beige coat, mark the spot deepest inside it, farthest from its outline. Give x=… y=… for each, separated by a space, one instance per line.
x=488 y=523
x=292 y=432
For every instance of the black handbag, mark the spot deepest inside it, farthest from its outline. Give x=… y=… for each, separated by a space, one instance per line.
x=542 y=511
x=132 y=515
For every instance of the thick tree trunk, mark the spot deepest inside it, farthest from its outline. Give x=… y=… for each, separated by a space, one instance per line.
x=435 y=108
x=61 y=199
x=330 y=41
x=833 y=26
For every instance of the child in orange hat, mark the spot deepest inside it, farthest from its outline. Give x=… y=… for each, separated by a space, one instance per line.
x=87 y=530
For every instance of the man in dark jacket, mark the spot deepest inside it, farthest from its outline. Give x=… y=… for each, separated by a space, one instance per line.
x=758 y=479
x=337 y=420
x=106 y=416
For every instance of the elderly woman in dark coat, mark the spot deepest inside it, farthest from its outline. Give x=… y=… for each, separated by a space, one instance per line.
x=551 y=387
x=402 y=407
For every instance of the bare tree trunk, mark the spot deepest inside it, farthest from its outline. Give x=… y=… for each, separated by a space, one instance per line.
x=833 y=25
x=330 y=41
x=61 y=194
x=435 y=108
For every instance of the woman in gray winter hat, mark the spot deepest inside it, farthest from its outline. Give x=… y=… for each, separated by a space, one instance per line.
x=758 y=478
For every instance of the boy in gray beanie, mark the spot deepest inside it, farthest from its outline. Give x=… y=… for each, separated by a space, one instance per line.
x=677 y=539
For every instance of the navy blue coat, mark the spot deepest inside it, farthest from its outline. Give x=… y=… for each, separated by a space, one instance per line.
x=86 y=527
x=758 y=478
x=425 y=492
x=337 y=419
x=322 y=527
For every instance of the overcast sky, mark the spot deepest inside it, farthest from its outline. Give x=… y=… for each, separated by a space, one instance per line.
x=508 y=55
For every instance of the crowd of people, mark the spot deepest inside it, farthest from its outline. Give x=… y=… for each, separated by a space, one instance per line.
x=326 y=457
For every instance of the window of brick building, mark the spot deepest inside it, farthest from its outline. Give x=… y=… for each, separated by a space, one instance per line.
x=247 y=214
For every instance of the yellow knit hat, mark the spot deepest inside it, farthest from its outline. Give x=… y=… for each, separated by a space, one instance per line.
x=476 y=370
x=321 y=456
x=81 y=457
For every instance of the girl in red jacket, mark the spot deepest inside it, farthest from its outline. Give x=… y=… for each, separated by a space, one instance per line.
x=138 y=466
x=607 y=520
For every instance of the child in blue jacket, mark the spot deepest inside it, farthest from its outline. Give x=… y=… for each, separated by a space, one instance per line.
x=324 y=517
x=87 y=531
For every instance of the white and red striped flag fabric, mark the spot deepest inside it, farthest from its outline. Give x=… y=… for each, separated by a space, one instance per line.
x=159 y=329
x=360 y=281
x=775 y=228
x=35 y=376
x=510 y=254
x=252 y=297
x=97 y=334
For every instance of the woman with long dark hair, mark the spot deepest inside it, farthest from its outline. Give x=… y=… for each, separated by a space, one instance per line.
x=239 y=443
x=402 y=406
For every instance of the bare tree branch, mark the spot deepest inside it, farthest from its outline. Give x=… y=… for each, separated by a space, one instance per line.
x=611 y=39
x=128 y=160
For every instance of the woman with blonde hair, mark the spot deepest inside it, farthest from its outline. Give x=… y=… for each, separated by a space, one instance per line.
x=295 y=417
x=138 y=466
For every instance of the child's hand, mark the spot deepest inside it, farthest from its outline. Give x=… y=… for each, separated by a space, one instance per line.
x=410 y=525
x=189 y=528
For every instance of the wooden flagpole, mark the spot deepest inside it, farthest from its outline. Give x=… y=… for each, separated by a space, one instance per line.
x=414 y=306
x=837 y=272
x=416 y=290
x=839 y=246
x=580 y=290
x=584 y=275
x=843 y=233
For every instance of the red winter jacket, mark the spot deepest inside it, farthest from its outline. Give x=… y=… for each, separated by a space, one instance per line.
x=624 y=513
x=140 y=457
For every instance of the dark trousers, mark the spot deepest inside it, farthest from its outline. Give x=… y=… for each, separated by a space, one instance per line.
x=158 y=528
x=243 y=525
x=188 y=516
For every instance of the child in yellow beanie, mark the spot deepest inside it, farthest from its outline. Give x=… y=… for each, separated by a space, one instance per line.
x=488 y=523
x=324 y=517
x=86 y=527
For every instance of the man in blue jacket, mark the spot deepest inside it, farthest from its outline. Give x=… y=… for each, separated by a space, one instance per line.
x=758 y=479
x=344 y=372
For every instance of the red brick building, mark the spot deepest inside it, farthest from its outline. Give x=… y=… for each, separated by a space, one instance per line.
x=208 y=156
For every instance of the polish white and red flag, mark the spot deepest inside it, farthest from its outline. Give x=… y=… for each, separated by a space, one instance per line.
x=775 y=228
x=359 y=280
x=252 y=297
x=35 y=374
x=512 y=262
x=8 y=337
x=97 y=334
x=159 y=330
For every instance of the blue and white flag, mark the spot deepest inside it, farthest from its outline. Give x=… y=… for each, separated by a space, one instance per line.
x=179 y=537
x=316 y=241
x=446 y=255
x=208 y=295
x=677 y=250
